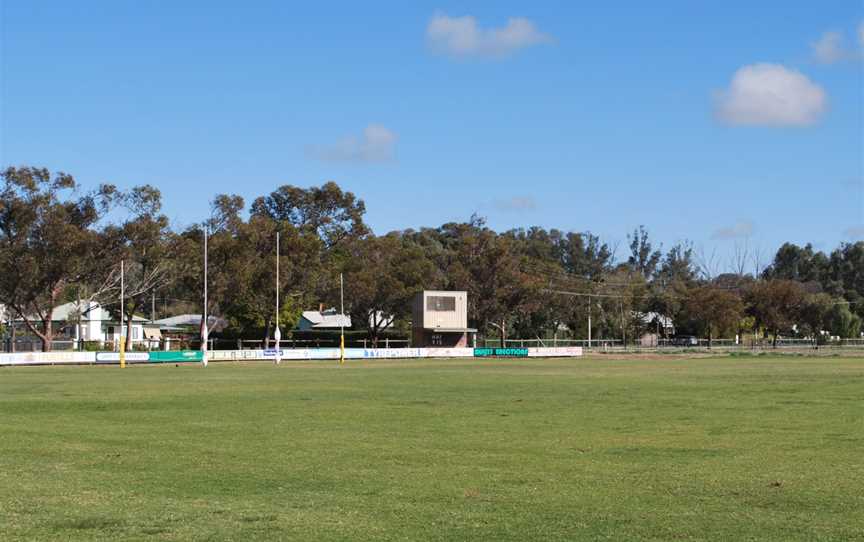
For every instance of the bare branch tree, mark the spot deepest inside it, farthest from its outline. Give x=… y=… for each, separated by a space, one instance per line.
x=757 y=257
x=739 y=260
x=140 y=283
x=107 y=288
x=707 y=265
x=148 y=281
x=613 y=257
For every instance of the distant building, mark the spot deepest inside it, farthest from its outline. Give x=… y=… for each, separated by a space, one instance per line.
x=90 y=322
x=329 y=319
x=191 y=321
x=440 y=318
x=187 y=327
x=657 y=327
x=655 y=321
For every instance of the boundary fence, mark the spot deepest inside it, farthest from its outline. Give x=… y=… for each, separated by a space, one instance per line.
x=62 y=345
x=307 y=354
x=595 y=345
x=670 y=345
x=552 y=343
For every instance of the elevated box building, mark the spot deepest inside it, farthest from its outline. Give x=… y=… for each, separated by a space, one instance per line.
x=440 y=319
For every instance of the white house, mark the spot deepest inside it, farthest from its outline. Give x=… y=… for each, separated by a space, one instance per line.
x=89 y=321
x=657 y=326
x=656 y=321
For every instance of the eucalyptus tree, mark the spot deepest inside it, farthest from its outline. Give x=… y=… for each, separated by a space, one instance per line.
x=382 y=276
x=714 y=311
x=776 y=304
x=141 y=241
x=248 y=301
x=643 y=258
x=49 y=240
x=325 y=211
x=491 y=269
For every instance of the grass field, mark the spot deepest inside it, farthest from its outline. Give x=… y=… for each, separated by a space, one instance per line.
x=591 y=449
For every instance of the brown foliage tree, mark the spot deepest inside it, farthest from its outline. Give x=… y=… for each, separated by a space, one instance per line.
x=776 y=304
x=48 y=241
x=713 y=310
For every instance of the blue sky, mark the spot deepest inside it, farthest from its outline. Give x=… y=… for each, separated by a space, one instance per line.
x=708 y=121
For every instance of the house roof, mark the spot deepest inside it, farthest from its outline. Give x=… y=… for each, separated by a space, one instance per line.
x=67 y=312
x=328 y=319
x=451 y=329
x=187 y=320
x=180 y=320
x=651 y=317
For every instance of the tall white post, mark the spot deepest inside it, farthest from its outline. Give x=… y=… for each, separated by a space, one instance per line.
x=277 y=335
x=589 y=321
x=342 y=300
x=122 y=297
x=204 y=330
x=122 y=316
x=341 y=320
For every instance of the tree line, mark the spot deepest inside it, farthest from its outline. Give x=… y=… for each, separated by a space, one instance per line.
x=60 y=243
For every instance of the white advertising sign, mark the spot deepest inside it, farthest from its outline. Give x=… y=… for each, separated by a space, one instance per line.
x=46 y=358
x=557 y=352
x=115 y=356
x=235 y=355
x=447 y=352
x=39 y=358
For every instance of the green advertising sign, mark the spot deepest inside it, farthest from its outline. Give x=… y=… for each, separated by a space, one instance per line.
x=180 y=355
x=500 y=352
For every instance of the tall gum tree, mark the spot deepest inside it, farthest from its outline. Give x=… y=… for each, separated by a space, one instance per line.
x=381 y=277
x=48 y=241
x=141 y=241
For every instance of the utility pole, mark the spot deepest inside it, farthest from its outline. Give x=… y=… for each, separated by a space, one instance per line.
x=589 y=322
x=10 y=333
x=623 y=328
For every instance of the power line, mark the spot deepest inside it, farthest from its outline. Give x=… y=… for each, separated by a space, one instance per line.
x=533 y=268
x=589 y=294
x=565 y=276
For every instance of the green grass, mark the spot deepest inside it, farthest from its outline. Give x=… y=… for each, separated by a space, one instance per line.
x=592 y=449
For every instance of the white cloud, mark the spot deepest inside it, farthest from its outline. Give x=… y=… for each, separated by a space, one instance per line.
x=516 y=204
x=742 y=228
x=829 y=48
x=770 y=95
x=376 y=144
x=460 y=36
x=855 y=233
